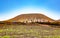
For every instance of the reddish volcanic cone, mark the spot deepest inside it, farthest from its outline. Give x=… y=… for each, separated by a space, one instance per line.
x=30 y=18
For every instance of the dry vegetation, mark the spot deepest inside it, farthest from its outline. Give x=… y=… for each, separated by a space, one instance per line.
x=33 y=30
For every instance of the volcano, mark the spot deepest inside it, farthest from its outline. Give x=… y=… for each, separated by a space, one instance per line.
x=31 y=18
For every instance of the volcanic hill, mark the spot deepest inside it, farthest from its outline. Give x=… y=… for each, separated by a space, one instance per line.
x=30 y=17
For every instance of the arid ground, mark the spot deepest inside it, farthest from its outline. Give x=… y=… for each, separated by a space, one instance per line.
x=29 y=31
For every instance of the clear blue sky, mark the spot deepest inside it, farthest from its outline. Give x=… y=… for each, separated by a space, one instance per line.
x=8 y=7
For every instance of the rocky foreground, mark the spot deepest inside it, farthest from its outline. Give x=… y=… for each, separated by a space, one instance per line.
x=29 y=31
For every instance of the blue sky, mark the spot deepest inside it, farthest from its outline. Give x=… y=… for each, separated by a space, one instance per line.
x=12 y=8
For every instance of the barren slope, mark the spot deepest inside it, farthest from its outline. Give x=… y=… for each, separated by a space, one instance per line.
x=23 y=17
x=58 y=20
